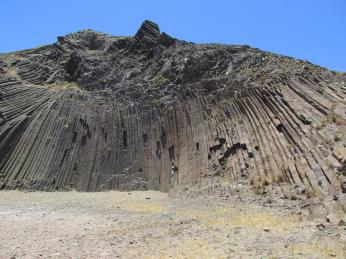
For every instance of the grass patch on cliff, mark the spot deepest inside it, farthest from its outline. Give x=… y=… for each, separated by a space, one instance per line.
x=158 y=82
x=332 y=117
x=12 y=73
x=65 y=85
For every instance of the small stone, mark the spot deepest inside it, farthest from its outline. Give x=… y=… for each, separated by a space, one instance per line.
x=341 y=223
x=332 y=219
x=147 y=198
x=266 y=230
x=321 y=226
x=301 y=190
x=343 y=186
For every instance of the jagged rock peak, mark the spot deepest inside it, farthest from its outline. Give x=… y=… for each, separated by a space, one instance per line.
x=148 y=30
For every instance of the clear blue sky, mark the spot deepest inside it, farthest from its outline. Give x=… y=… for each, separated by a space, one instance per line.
x=314 y=30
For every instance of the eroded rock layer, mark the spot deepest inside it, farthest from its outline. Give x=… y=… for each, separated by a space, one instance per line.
x=96 y=112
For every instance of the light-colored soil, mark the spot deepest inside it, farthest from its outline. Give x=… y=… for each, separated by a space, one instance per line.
x=154 y=225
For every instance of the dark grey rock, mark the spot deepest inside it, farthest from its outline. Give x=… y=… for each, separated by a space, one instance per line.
x=95 y=112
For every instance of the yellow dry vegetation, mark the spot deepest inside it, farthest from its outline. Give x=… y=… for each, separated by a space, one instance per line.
x=152 y=225
x=142 y=207
x=229 y=217
x=12 y=72
x=319 y=249
x=132 y=201
x=189 y=248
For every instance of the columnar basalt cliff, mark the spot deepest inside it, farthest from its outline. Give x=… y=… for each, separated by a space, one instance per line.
x=97 y=112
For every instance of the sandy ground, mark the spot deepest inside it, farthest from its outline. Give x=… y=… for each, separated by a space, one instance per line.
x=154 y=225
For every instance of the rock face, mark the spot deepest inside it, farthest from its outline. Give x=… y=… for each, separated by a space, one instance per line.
x=96 y=112
x=148 y=30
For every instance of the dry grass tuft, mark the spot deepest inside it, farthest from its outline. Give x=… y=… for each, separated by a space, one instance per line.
x=12 y=72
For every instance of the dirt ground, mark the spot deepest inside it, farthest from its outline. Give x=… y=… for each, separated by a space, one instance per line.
x=155 y=225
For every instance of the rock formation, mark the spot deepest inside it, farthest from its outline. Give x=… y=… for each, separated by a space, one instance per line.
x=96 y=112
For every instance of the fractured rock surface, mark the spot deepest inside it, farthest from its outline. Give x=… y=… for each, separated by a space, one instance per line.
x=96 y=112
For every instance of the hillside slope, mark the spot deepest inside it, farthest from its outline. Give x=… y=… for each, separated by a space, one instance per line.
x=96 y=112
